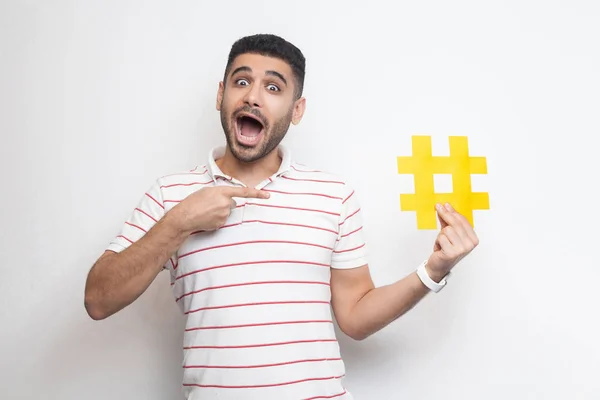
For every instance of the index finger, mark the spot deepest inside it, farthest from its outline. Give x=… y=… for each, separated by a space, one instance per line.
x=246 y=192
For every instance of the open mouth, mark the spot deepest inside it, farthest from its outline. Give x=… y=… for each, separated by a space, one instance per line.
x=249 y=130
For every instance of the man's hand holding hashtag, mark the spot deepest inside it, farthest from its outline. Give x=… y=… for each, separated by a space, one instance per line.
x=455 y=241
x=362 y=309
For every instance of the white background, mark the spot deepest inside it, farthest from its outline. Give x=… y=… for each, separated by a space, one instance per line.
x=97 y=99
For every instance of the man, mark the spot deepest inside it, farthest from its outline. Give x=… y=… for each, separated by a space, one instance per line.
x=260 y=249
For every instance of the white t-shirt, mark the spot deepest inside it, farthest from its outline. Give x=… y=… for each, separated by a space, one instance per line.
x=256 y=292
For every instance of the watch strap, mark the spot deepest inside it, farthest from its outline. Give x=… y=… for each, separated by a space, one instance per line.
x=427 y=281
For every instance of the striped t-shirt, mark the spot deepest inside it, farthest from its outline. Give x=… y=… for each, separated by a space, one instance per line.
x=256 y=292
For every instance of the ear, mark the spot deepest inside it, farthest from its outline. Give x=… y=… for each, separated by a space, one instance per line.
x=220 y=95
x=299 y=107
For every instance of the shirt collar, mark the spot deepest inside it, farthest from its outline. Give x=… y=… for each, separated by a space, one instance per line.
x=217 y=152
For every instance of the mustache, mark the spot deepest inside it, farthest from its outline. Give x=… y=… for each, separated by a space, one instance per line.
x=256 y=113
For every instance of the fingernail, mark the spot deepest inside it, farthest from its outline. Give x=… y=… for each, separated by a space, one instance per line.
x=439 y=207
x=448 y=207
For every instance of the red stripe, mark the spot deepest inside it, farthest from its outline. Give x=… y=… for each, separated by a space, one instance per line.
x=306 y=194
x=146 y=214
x=350 y=233
x=186 y=173
x=260 y=345
x=327 y=397
x=188 y=184
x=259 y=324
x=272 y=223
x=305 y=170
x=347 y=250
x=263 y=365
x=129 y=240
x=294 y=208
x=351 y=194
x=266 y=303
x=160 y=205
x=252 y=262
x=253 y=242
x=311 y=180
x=350 y=216
x=224 y=226
x=252 y=283
x=289 y=224
x=265 y=385
x=172 y=201
x=136 y=226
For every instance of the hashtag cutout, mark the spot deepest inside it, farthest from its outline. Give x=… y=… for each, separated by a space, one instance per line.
x=423 y=165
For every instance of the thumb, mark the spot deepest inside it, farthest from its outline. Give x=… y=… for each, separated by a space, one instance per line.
x=440 y=217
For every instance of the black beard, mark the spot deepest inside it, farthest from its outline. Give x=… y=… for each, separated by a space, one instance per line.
x=273 y=135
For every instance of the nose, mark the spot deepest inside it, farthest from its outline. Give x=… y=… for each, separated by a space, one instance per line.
x=253 y=96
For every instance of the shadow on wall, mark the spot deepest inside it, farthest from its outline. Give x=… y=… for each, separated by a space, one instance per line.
x=372 y=352
x=135 y=353
x=389 y=355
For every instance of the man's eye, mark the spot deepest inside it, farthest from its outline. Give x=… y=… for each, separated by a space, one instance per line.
x=242 y=82
x=273 y=88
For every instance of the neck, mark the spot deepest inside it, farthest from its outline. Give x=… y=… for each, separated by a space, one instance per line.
x=252 y=173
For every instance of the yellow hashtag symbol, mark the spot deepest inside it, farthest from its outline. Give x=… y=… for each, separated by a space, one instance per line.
x=423 y=165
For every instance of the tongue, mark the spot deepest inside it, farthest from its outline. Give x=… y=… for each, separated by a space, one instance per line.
x=250 y=127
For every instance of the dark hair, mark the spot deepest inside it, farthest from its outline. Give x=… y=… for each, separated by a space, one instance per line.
x=271 y=46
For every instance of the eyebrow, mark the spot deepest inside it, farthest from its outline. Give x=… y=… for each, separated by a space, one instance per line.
x=248 y=69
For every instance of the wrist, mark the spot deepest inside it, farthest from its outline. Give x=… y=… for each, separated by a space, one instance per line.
x=430 y=278
x=175 y=220
x=434 y=275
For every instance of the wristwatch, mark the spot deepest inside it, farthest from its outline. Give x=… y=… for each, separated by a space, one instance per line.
x=427 y=281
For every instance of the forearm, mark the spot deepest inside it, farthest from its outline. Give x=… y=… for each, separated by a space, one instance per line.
x=117 y=279
x=383 y=305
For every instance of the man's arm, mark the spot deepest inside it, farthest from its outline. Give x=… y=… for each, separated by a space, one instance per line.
x=117 y=279
x=361 y=309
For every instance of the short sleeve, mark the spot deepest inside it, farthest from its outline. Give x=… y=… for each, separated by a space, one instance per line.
x=350 y=249
x=149 y=210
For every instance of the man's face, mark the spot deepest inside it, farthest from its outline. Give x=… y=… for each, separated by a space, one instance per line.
x=257 y=105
